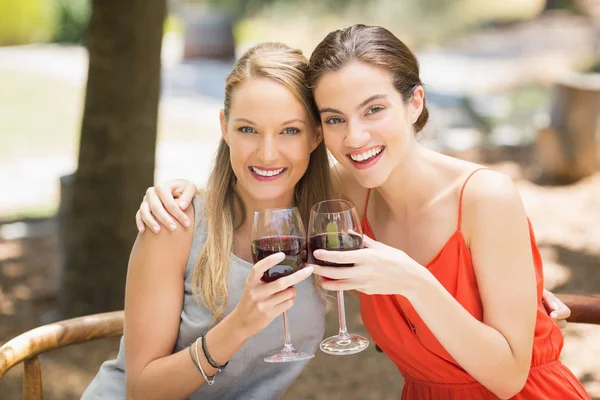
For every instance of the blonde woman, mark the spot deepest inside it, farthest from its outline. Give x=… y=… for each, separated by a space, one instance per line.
x=194 y=302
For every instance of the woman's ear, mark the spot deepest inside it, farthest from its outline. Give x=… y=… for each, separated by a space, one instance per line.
x=223 y=121
x=417 y=101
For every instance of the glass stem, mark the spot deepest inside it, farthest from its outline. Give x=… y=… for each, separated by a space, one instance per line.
x=342 y=315
x=286 y=333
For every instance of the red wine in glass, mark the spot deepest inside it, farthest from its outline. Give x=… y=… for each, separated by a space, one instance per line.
x=275 y=231
x=334 y=241
x=334 y=225
x=293 y=247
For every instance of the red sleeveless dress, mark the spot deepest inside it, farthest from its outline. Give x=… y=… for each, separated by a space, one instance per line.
x=428 y=369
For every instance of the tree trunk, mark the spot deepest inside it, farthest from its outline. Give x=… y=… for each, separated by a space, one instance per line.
x=116 y=153
x=567 y=150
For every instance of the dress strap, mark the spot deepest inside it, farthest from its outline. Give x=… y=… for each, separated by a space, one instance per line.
x=462 y=189
x=364 y=214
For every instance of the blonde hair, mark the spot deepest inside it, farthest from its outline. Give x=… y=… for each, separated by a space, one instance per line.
x=224 y=209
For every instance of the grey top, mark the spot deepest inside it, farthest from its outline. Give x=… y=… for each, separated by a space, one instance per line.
x=247 y=375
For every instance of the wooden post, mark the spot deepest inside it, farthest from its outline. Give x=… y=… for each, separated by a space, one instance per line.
x=32 y=381
x=567 y=150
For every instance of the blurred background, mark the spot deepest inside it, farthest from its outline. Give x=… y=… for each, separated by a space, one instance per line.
x=512 y=84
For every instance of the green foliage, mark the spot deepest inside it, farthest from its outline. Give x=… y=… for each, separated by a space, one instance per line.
x=74 y=16
x=27 y=21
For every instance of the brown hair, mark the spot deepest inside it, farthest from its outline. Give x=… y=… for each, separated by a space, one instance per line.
x=224 y=210
x=372 y=45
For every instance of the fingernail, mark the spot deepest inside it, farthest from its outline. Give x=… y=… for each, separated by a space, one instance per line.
x=553 y=315
x=140 y=228
x=187 y=223
x=308 y=270
x=172 y=227
x=183 y=204
x=156 y=228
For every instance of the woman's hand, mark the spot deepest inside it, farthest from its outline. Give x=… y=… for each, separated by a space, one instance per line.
x=558 y=311
x=262 y=302
x=165 y=201
x=378 y=269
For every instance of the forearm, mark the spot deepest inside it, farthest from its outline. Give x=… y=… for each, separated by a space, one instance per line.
x=175 y=376
x=480 y=349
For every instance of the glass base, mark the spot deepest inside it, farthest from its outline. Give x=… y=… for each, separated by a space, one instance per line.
x=289 y=355
x=344 y=345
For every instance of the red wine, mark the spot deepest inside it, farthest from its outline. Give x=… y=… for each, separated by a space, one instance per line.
x=334 y=241
x=293 y=247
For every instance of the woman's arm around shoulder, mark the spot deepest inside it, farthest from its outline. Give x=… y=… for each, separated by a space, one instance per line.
x=153 y=304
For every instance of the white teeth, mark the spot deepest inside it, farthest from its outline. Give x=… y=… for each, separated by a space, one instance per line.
x=267 y=173
x=366 y=155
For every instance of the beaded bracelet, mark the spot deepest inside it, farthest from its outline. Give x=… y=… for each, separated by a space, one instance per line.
x=209 y=379
x=210 y=360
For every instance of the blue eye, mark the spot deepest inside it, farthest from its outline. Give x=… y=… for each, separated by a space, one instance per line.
x=374 y=110
x=247 y=129
x=334 y=120
x=291 y=131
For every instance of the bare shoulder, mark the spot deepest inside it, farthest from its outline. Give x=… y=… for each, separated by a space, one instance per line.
x=480 y=180
x=173 y=247
x=489 y=186
x=491 y=197
x=349 y=188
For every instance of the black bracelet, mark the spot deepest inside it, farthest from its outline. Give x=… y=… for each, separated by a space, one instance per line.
x=212 y=362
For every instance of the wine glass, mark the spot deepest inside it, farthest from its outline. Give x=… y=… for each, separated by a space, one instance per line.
x=274 y=231
x=334 y=225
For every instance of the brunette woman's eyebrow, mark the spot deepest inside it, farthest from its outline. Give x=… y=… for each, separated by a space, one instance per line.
x=330 y=110
x=370 y=99
x=361 y=105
